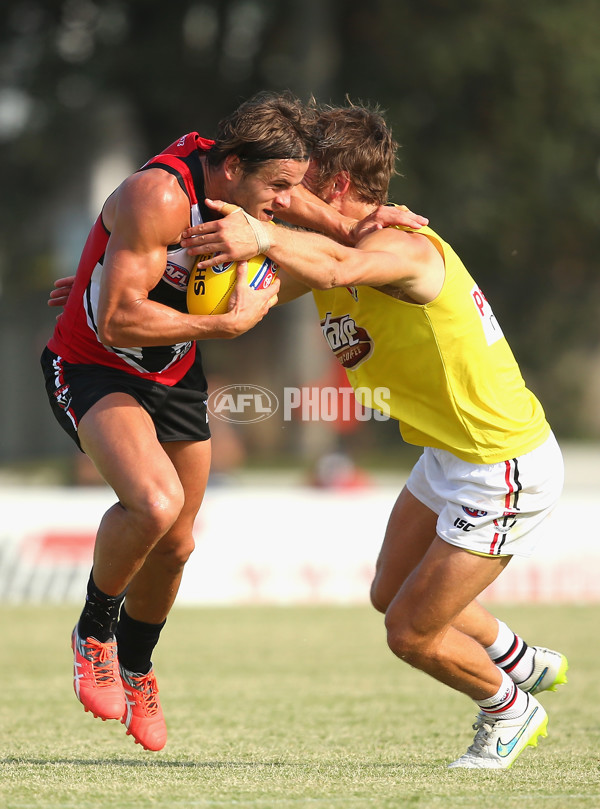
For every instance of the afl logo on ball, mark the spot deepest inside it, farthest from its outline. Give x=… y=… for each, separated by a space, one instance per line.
x=219 y=268
x=474 y=512
x=350 y=343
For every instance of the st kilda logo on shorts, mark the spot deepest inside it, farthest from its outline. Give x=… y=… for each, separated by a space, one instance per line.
x=350 y=343
x=474 y=512
x=63 y=397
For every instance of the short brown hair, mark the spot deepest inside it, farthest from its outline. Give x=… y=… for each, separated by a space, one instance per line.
x=358 y=140
x=268 y=126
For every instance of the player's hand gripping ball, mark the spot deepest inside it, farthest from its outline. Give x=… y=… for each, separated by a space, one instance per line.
x=209 y=289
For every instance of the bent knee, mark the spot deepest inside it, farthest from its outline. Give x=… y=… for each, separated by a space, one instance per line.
x=377 y=602
x=400 y=638
x=157 y=509
x=380 y=597
x=407 y=642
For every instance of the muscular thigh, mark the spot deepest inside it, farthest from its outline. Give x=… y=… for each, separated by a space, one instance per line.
x=410 y=532
x=119 y=436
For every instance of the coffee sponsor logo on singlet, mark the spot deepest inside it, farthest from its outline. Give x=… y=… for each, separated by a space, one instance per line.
x=350 y=343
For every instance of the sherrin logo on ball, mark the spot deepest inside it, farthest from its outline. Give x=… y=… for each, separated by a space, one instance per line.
x=209 y=289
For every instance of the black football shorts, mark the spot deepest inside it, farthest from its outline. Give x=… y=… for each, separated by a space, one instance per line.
x=178 y=412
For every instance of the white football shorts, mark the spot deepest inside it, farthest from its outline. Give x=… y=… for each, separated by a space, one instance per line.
x=491 y=509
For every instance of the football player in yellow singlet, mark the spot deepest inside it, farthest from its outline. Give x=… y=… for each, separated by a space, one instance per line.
x=401 y=312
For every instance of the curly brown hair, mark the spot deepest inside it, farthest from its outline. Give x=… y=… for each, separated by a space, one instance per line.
x=355 y=139
x=268 y=126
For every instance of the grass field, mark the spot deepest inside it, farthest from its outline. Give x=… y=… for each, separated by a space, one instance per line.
x=282 y=708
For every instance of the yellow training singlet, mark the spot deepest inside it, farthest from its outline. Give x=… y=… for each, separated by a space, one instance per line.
x=453 y=381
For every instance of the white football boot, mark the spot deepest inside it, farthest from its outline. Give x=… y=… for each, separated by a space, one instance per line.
x=549 y=671
x=498 y=742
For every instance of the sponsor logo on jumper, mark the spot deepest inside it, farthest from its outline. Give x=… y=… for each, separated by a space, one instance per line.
x=350 y=343
x=491 y=327
x=176 y=276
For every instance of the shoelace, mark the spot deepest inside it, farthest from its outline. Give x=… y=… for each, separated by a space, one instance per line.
x=483 y=725
x=148 y=690
x=102 y=657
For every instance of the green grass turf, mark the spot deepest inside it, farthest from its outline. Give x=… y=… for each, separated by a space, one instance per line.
x=286 y=707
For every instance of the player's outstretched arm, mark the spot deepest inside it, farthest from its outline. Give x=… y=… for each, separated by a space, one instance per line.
x=385 y=256
x=309 y=211
x=306 y=210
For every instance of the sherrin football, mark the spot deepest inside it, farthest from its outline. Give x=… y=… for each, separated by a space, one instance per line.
x=209 y=289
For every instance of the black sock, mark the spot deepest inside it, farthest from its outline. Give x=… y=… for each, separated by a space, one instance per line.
x=100 y=614
x=135 y=642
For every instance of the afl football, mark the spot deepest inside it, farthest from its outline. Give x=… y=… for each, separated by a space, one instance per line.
x=209 y=289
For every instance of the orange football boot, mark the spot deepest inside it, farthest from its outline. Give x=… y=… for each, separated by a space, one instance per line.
x=143 y=716
x=96 y=677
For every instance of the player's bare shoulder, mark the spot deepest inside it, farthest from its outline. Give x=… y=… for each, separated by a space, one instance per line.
x=410 y=243
x=149 y=199
x=421 y=269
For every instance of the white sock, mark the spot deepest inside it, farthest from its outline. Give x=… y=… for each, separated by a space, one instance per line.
x=511 y=654
x=507 y=703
